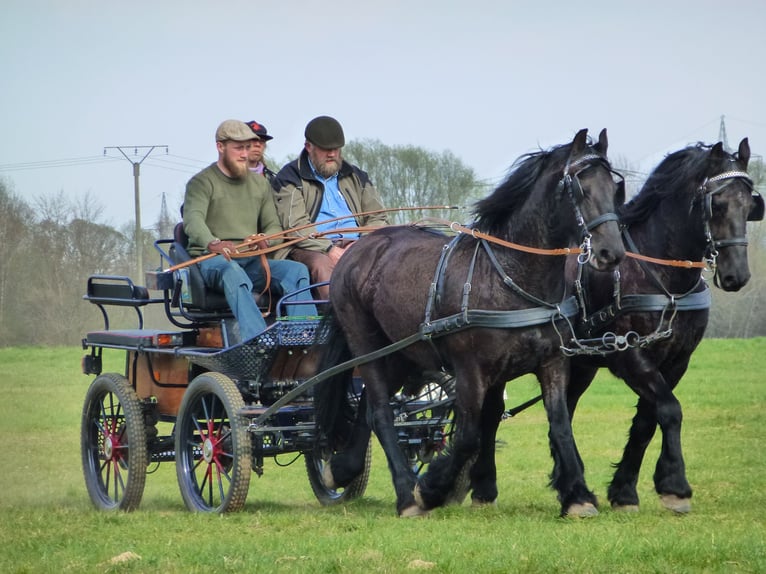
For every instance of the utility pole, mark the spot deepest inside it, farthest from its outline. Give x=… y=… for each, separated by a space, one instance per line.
x=722 y=136
x=137 y=197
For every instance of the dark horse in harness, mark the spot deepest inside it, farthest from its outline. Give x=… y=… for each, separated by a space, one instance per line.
x=695 y=206
x=481 y=313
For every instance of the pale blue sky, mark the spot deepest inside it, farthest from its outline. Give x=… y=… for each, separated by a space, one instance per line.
x=488 y=80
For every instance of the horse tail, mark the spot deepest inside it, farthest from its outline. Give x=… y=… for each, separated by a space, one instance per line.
x=333 y=411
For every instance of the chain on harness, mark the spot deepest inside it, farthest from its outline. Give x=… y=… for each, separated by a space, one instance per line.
x=611 y=342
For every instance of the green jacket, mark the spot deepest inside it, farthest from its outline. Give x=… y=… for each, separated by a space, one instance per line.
x=299 y=197
x=219 y=207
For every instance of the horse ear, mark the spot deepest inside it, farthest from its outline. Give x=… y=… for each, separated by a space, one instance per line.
x=716 y=152
x=603 y=142
x=744 y=151
x=579 y=142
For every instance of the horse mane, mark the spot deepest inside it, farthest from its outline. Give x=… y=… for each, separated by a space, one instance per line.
x=679 y=172
x=492 y=213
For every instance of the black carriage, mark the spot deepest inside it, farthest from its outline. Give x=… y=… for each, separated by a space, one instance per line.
x=230 y=404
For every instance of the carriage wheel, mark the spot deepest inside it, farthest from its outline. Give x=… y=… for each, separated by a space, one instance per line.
x=213 y=447
x=315 y=463
x=113 y=441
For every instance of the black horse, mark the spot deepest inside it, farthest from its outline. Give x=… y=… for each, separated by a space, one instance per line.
x=484 y=314
x=693 y=207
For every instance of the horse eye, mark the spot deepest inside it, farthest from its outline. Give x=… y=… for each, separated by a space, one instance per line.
x=719 y=206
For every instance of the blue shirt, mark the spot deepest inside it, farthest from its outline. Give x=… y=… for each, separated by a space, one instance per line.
x=333 y=205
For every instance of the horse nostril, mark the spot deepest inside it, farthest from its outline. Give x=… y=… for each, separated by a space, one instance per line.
x=733 y=282
x=611 y=256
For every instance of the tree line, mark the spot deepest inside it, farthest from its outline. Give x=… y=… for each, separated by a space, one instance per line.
x=52 y=245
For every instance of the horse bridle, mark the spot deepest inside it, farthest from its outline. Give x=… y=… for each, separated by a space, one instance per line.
x=571 y=183
x=756 y=213
x=667 y=303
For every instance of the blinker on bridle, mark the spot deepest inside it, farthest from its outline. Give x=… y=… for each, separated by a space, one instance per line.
x=756 y=213
x=571 y=183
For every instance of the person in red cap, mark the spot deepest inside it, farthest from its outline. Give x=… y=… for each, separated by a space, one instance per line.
x=255 y=161
x=320 y=186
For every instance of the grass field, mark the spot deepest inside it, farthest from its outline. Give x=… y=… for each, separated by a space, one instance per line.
x=47 y=523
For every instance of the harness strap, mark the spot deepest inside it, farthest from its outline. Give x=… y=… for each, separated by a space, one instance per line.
x=509 y=282
x=648 y=303
x=651 y=273
x=443 y=326
x=494 y=319
x=602 y=219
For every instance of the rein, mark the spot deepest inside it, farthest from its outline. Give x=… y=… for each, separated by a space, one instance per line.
x=245 y=249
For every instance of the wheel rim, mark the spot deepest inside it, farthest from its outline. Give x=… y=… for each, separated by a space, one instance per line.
x=111 y=448
x=208 y=454
x=114 y=444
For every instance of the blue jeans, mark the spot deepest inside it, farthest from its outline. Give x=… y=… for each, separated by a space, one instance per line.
x=237 y=278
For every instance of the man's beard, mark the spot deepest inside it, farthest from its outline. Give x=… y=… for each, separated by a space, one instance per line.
x=238 y=170
x=329 y=168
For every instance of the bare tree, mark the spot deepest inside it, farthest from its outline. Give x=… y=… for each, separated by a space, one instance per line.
x=15 y=237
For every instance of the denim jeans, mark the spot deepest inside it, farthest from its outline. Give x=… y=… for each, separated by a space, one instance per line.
x=237 y=278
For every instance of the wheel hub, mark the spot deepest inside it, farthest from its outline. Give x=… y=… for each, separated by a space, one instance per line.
x=208 y=450
x=108 y=448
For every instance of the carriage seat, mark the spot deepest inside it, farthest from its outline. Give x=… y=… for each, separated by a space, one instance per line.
x=200 y=297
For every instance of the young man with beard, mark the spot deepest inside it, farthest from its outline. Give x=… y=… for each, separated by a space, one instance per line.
x=225 y=204
x=318 y=186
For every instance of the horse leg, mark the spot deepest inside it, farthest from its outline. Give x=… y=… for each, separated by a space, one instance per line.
x=484 y=471
x=381 y=419
x=580 y=379
x=439 y=481
x=622 y=491
x=670 y=473
x=568 y=477
x=347 y=464
x=658 y=408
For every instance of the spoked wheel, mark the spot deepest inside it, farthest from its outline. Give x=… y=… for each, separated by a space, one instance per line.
x=315 y=464
x=213 y=447
x=113 y=441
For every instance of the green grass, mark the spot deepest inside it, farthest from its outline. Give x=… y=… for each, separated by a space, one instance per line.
x=47 y=523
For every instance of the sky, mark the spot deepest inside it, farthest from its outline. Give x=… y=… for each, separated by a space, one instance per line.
x=489 y=81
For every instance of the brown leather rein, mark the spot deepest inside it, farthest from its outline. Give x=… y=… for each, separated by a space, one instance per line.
x=248 y=247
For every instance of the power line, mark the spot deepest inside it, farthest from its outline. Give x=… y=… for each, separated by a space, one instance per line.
x=67 y=162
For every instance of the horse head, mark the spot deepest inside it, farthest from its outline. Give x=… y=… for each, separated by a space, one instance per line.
x=729 y=202
x=596 y=190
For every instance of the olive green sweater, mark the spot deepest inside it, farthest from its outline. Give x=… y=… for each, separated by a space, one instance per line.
x=219 y=207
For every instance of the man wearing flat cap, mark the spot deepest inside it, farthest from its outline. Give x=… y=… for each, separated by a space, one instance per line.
x=255 y=159
x=224 y=204
x=320 y=186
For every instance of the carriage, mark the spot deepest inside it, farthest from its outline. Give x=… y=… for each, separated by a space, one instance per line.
x=229 y=404
x=495 y=309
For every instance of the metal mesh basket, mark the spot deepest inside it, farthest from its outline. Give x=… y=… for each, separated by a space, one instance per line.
x=300 y=332
x=253 y=359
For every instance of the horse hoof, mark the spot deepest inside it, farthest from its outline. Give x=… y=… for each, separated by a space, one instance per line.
x=676 y=503
x=581 y=510
x=413 y=511
x=624 y=507
x=327 y=478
